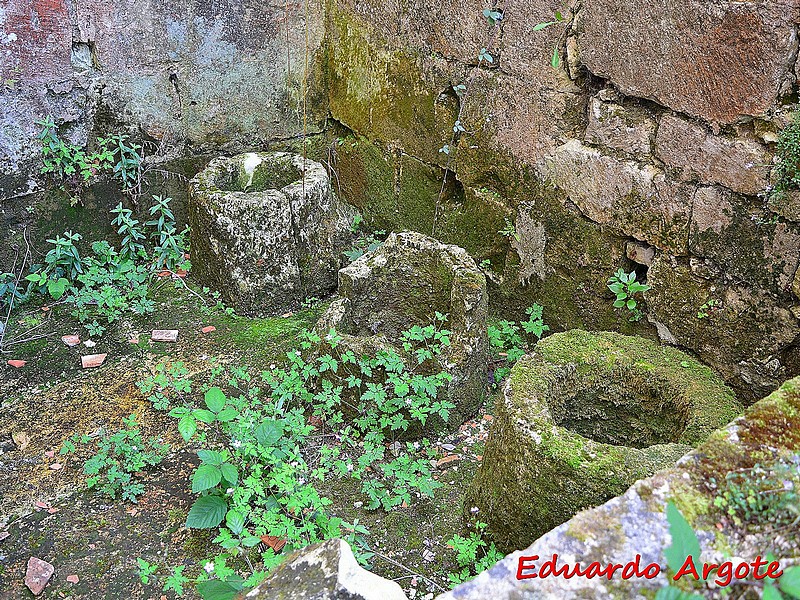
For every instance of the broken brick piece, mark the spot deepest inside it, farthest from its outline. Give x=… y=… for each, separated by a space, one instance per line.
x=71 y=340
x=208 y=329
x=38 y=574
x=17 y=363
x=91 y=361
x=164 y=335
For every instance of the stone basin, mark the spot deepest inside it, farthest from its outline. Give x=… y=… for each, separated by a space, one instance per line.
x=581 y=419
x=267 y=230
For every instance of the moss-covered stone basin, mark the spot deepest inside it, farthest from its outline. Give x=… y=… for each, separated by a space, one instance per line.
x=583 y=418
x=267 y=230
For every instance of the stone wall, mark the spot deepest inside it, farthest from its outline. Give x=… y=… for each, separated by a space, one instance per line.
x=649 y=147
x=197 y=75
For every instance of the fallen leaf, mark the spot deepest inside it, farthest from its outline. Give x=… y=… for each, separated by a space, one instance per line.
x=404 y=504
x=40 y=504
x=487 y=417
x=52 y=511
x=208 y=329
x=91 y=361
x=479 y=457
x=71 y=340
x=50 y=453
x=274 y=542
x=164 y=335
x=21 y=439
x=56 y=466
x=17 y=363
x=73 y=578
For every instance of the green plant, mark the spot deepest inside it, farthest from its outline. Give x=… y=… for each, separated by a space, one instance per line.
x=257 y=481
x=74 y=167
x=119 y=457
x=10 y=291
x=685 y=545
x=132 y=235
x=128 y=165
x=509 y=230
x=625 y=286
x=366 y=242
x=110 y=286
x=786 y=174
x=767 y=496
x=708 y=307
x=507 y=343
x=473 y=555
x=167 y=384
x=146 y=570
x=168 y=252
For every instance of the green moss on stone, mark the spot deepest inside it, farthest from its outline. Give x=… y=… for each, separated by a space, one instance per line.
x=583 y=418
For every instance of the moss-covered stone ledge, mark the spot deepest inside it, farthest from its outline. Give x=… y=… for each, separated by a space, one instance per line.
x=581 y=419
x=767 y=436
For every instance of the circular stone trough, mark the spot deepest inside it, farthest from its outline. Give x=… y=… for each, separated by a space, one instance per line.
x=267 y=231
x=580 y=420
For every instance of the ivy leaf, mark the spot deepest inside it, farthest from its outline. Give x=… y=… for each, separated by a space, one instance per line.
x=790 y=581
x=230 y=473
x=771 y=592
x=211 y=457
x=205 y=477
x=556 y=60
x=219 y=590
x=207 y=512
x=269 y=432
x=187 y=427
x=215 y=399
x=684 y=540
x=206 y=416
x=235 y=521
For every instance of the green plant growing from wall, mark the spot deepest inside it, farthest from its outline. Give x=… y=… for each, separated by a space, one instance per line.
x=786 y=173
x=625 y=286
x=73 y=167
x=494 y=17
x=509 y=230
x=708 y=307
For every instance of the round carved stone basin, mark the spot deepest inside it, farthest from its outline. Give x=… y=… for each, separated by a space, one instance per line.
x=581 y=419
x=267 y=230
